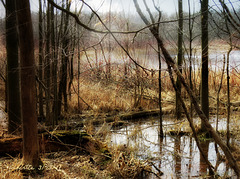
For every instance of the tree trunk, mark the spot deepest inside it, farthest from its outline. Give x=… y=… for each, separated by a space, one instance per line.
x=47 y=66
x=228 y=99
x=28 y=97
x=54 y=70
x=13 y=86
x=204 y=73
x=190 y=28
x=203 y=155
x=180 y=57
x=160 y=93
x=40 y=63
x=64 y=66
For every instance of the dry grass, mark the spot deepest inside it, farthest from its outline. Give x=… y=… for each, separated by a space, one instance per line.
x=63 y=165
x=110 y=98
x=125 y=165
x=116 y=96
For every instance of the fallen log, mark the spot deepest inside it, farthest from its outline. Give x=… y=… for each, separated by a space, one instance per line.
x=53 y=142
x=80 y=120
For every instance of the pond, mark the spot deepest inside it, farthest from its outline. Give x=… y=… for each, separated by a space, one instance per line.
x=176 y=156
x=215 y=60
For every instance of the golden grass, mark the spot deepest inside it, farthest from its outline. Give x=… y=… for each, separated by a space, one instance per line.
x=109 y=98
x=119 y=96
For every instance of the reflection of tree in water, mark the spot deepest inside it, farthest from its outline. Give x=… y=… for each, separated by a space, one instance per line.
x=203 y=166
x=160 y=149
x=177 y=155
x=190 y=155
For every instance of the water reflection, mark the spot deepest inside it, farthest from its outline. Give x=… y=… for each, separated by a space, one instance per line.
x=203 y=165
x=176 y=156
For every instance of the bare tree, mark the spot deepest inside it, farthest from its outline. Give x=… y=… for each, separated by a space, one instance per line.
x=47 y=66
x=180 y=57
x=204 y=71
x=40 y=62
x=13 y=86
x=28 y=90
x=54 y=69
x=62 y=93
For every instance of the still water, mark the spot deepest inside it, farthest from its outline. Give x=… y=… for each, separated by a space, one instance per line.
x=176 y=156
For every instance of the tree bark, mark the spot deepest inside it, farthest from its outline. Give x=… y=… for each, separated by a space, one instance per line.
x=204 y=71
x=64 y=66
x=13 y=86
x=180 y=57
x=228 y=98
x=28 y=97
x=40 y=63
x=190 y=28
x=47 y=68
x=54 y=119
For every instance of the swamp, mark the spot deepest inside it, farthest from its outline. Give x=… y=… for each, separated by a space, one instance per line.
x=119 y=89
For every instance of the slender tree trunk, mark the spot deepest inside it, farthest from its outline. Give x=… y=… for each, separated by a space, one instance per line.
x=78 y=76
x=40 y=63
x=54 y=70
x=190 y=28
x=108 y=65
x=6 y=93
x=204 y=73
x=28 y=89
x=13 y=86
x=160 y=92
x=71 y=63
x=65 y=57
x=228 y=99
x=47 y=72
x=218 y=92
x=180 y=57
x=203 y=155
x=228 y=76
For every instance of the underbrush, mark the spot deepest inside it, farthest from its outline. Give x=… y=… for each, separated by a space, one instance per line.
x=112 y=96
x=69 y=164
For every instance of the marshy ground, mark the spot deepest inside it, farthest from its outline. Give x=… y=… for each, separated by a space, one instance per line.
x=100 y=109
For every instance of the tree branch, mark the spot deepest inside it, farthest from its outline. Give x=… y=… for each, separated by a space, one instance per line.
x=4 y=4
x=149 y=12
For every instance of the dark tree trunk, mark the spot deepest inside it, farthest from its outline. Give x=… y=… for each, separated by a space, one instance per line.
x=228 y=99
x=28 y=97
x=40 y=63
x=190 y=27
x=180 y=57
x=47 y=72
x=64 y=66
x=204 y=73
x=13 y=86
x=160 y=93
x=54 y=69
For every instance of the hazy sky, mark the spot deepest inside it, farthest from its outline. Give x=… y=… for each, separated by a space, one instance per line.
x=168 y=6
x=127 y=6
